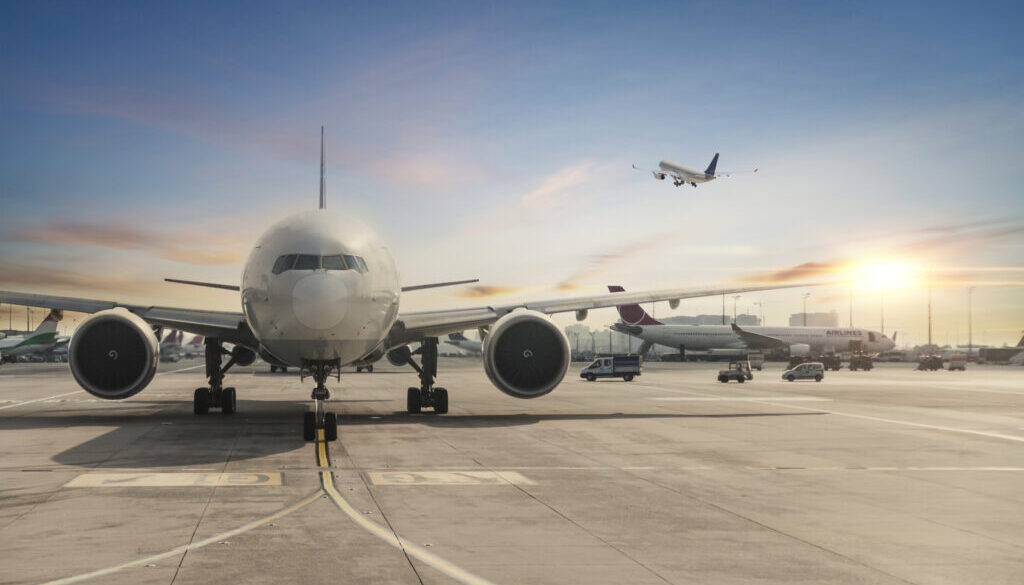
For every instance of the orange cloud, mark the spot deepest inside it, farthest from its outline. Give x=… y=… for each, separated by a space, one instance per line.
x=476 y=292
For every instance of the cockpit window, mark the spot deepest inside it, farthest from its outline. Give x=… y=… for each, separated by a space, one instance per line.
x=362 y=264
x=307 y=262
x=351 y=261
x=334 y=263
x=284 y=263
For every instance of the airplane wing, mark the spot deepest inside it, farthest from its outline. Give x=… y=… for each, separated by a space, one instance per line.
x=226 y=325
x=658 y=174
x=412 y=327
x=731 y=173
x=758 y=341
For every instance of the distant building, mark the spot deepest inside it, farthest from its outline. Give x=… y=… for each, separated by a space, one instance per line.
x=830 y=319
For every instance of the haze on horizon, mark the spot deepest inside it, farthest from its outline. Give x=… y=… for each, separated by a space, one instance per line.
x=495 y=141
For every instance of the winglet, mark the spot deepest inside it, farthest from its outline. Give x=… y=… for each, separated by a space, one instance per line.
x=711 y=167
x=323 y=185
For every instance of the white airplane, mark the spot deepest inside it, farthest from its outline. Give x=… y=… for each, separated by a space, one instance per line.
x=42 y=339
x=635 y=321
x=682 y=175
x=459 y=340
x=320 y=291
x=194 y=347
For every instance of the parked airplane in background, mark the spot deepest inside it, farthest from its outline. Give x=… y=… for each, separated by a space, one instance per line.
x=682 y=175
x=194 y=347
x=636 y=322
x=320 y=291
x=459 y=340
x=42 y=339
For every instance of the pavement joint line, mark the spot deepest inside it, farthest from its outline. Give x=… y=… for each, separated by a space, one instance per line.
x=193 y=546
x=389 y=536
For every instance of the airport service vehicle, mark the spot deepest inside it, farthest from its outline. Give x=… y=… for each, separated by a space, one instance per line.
x=798 y=341
x=806 y=371
x=459 y=340
x=739 y=371
x=958 y=361
x=42 y=339
x=682 y=175
x=616 y=366
x=367 y=368
x=320 y=291
x=929 y=363
x=756 y=360
x=890 y=356
x=831 y=361
x=860 y=361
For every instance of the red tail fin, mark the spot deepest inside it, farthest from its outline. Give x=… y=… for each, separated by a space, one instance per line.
x=633 y=314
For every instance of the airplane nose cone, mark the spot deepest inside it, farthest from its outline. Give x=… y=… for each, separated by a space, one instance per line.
x=320 y=300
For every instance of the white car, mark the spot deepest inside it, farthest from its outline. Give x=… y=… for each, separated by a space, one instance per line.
x=808 y=371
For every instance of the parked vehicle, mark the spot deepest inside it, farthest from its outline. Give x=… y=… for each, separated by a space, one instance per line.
x=616 y=366
x=832 y=361
x=930 y=363
x=808 y=371
x=860 y=361
x=958 y=361
x=739 y=371
x=755 y=360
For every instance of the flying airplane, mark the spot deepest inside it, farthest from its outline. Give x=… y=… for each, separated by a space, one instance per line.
x=42 y=339
x=635 y=321
x=682 y=175
x=459 y=340
x=320 y=291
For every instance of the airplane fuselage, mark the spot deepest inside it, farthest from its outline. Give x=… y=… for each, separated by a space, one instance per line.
x=819 y=339
x=335 y=300
x=689 y=175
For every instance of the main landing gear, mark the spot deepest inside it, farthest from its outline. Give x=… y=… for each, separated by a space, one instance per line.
x=320 y=418
x=215 y=396
x=427 y=395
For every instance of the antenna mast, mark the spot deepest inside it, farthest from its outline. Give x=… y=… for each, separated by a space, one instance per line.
x=323 y=185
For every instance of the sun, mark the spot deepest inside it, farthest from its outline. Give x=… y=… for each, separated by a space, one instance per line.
x=886 y=275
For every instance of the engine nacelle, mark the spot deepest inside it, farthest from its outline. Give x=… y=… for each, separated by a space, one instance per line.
x=243 y=356
x=525 y=354
x=799 y=349
x=114 y=354
x=399 y=356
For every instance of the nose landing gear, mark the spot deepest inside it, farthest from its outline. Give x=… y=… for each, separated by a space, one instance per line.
x=215 y=396
x=427 y=395
x=320 y=418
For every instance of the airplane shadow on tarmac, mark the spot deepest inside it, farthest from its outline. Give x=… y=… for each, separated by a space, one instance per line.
x=507 y=420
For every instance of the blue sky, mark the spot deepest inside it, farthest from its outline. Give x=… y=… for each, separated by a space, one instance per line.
x=495 y=140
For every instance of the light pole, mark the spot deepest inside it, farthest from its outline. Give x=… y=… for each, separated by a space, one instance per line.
x=760 y=308
x=723 y=308
x=734 y=299
x=806 y=294
x=881 y=304
x=851 y=306
x=970 y=338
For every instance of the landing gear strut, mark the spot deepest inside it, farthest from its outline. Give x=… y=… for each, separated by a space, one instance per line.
x=215 y=396
x=320 y=418
x=427 y=395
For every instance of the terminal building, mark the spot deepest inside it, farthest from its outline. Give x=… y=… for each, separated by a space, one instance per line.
x=830 y=319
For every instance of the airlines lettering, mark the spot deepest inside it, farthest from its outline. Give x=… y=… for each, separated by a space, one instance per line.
x=843 y=332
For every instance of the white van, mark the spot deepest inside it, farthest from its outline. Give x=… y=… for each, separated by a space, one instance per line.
x=807 y=371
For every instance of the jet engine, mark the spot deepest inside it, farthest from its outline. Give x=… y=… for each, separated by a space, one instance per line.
x=399 y=356
x=799 y=349
x=114 y=354
x=525 y=354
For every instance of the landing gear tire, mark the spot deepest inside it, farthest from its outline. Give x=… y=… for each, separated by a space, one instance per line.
x=740 y=380
x=330 y=426
x=412 y=400
x=790 y=378
x=201 y=401
x=723 y=379
x=591 y=377
x=628 y=377
x=309 y=426
x=817 y=378
x=227 y=401
x=369 y=368
x=440 y=401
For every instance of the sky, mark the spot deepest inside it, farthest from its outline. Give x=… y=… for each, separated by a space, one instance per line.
x=495 y=141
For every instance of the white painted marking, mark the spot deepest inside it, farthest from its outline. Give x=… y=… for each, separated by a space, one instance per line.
x=39 y=399
x=447 y=478
x=106 y=480
x=740 y=399
x=195 y=545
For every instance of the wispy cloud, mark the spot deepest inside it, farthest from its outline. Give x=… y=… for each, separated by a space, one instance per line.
x=604 y=263
x=478 y=292
x=205 y=249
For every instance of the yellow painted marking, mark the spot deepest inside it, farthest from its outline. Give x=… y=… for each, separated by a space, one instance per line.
x=185 y=548
x=386 y=534
x=454 y=478
x=175 y=480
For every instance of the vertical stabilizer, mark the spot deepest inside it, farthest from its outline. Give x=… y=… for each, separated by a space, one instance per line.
x=633 y=314
x=323 y=185
x=711 y=167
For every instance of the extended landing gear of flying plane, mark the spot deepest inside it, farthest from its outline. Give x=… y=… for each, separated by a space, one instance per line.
x=427 y=395
x=320 y=418
x=215 y=396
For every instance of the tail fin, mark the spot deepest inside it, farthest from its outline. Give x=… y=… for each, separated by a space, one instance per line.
x=633 y=314
x=170 y=337
x=197 y=340
x=1021 y=342
x=49 y=324
x=711 y=167
x=894 y=334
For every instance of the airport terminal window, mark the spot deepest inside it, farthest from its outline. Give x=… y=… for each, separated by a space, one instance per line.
x=307 y=262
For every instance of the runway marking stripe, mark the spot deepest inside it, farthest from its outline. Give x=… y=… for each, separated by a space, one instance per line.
x=453 y=478
x=108 y=480
x=386 y=534
x=193 y=546
x=740 y=399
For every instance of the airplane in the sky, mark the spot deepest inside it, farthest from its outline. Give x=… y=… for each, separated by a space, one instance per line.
x=320 y=291
x=40 y=340
x=459 y=340
x=682 y=175
x=635 y=321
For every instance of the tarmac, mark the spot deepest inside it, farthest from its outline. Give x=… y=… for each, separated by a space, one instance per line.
x=887 y=476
